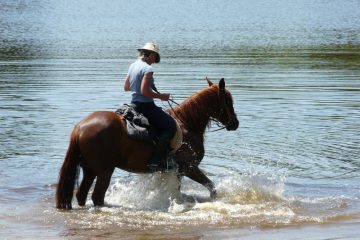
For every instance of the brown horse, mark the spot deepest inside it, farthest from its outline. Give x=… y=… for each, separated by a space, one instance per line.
x=99 y=143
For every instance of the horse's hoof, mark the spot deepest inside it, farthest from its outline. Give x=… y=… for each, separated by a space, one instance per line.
x=213 y=194
x=80 y=202
x=98 y=202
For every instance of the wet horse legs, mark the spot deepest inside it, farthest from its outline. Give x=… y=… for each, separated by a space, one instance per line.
x=194 y=173
x=102 y=184
x=88 y=179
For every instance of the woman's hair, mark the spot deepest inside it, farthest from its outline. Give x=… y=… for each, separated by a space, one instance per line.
x=143 y=54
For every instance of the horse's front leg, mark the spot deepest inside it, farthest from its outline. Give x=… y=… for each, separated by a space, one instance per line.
x=179 y=177
x=194 y=173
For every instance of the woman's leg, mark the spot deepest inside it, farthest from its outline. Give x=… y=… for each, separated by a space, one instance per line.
x=167 y=126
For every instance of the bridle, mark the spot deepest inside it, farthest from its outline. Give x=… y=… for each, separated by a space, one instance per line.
x=224 y=108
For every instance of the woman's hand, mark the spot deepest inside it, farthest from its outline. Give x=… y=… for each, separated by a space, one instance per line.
x=164 y=96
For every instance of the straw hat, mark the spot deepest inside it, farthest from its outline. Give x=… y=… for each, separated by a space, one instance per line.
x=153 y=48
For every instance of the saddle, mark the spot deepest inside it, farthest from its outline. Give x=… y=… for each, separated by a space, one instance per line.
x=139 y=128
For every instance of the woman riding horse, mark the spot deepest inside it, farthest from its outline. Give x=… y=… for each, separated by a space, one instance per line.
x=99 y=143
x=140 y=82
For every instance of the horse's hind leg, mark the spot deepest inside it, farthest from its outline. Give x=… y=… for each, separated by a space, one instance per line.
x=88 y=179
x=102 y=184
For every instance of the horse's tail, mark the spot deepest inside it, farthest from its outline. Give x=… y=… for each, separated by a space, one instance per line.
x=68 y=174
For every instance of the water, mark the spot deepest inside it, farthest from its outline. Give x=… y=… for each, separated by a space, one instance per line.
x=290 y=171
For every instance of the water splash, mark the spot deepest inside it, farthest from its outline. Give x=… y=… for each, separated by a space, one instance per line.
x=146 y=192
x=145 y=201
x=158 y=199
x=251 y=188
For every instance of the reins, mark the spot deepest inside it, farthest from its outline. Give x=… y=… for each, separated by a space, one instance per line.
x=172 y=101
x=171 y=107
x=218 y=123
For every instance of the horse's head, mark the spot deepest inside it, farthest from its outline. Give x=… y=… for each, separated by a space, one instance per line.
x=224 y=110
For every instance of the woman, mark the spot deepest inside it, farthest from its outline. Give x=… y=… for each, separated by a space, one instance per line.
x=140 y=82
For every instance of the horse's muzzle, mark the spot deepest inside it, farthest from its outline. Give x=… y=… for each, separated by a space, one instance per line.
x=232 y=125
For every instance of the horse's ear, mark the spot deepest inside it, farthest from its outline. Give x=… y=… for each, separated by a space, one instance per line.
x=209 y=82
x=222 y=84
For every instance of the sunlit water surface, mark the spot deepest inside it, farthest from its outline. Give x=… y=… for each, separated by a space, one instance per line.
x=290 y=171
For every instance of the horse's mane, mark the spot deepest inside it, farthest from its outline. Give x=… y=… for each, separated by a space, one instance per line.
x=200 y=102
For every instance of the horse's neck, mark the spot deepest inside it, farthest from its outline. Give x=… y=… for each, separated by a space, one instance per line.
x=195 y=111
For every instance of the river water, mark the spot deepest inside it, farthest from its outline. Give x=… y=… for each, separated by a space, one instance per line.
x=290 y=171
